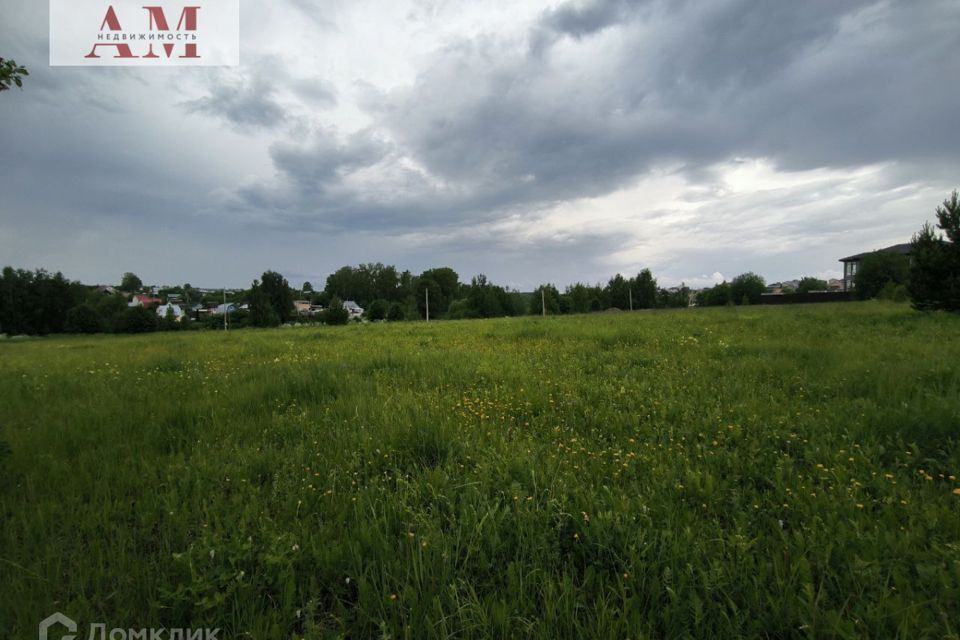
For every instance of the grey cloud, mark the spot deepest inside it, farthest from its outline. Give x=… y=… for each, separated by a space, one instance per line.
x=808 y=84
x=250 y=97
x=495 y=128
x=325 y=159
x=241 y=104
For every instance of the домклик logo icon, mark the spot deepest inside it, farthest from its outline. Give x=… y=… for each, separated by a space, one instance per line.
x=57 y=618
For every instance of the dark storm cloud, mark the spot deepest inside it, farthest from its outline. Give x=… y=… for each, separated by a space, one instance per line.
x=605 y=91
x=465 y=156
x=242 y=104
x=249 y=97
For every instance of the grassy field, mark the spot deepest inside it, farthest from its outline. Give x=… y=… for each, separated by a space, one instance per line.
x=757 y=472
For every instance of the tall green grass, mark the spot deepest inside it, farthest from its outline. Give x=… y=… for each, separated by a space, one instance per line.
x=743 y=472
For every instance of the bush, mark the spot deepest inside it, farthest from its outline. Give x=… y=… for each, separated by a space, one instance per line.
x=876 y=270
x=395 y=314
x=262 y=312
x=137 y=320
x=83 y=319
x=747 y=288
x=894 y=292
x=460 y=310
x=935 y=268
x=378 y=309
x=336 y=314
x=809 y=284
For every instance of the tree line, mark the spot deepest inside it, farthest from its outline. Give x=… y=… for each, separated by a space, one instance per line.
x=40 y=303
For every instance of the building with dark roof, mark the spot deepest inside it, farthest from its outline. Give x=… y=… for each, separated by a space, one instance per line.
x=851 y=264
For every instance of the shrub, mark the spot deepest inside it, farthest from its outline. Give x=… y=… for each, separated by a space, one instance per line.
x=378 y=309
x=137 y=320
x=876 y=270
x=935 y=268
x=83 y=319
x=894 y=292
x=747 y=288
x=336 y=314
x=809 y=284
x=395 y=313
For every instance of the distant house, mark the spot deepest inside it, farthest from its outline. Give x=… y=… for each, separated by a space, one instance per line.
x=142 y=300
x=851 y=264
x=834 y=284
x=105 y=289
x=353 y=309
x=221 y=309
x=302 y=307
x=175 y=309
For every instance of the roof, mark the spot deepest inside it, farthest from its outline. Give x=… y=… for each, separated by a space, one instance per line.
x=164 y=308
x=903 y=249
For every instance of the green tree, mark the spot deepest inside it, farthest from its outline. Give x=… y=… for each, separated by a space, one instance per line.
x=716 y=296
x=307 y=287
x=674 y=299
x=378 y=309
x=109 y=307
x=343 y=284
x=169 y=321
x=36 y=302
x=808 y=284
x=278 y=292
x=617 y=292
x=545 y=295
x=137 y=320
x=336 y=314
x=581 y=297
x=438 y=302
x=934 y=281
x=84 y=319
x=487 y=300
x=444 y=286
x=11 y=74
x=747 y=288
x=396 y=313
x=877 y=269
x=644 y=290
x=262 y=311
x=130 y=282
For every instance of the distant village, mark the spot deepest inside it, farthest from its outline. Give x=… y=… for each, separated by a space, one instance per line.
x=176 y=306
x=38 y=303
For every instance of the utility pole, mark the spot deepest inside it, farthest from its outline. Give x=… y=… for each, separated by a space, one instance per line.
x=427 y=291
x=631 y=299
x=226 y=310
x=543 y=301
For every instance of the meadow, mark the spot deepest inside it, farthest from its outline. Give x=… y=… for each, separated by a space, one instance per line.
x=771 y=472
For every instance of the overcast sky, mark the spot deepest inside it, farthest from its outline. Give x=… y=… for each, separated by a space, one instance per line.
x=530 y=141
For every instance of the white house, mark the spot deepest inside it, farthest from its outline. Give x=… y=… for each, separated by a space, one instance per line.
x=221 y=309
x=353 y=309
x=175 y=309
x=302 y=307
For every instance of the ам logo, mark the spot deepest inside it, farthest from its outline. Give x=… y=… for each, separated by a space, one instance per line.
x=162 y=33
x=58 y=618
x=159 y=30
